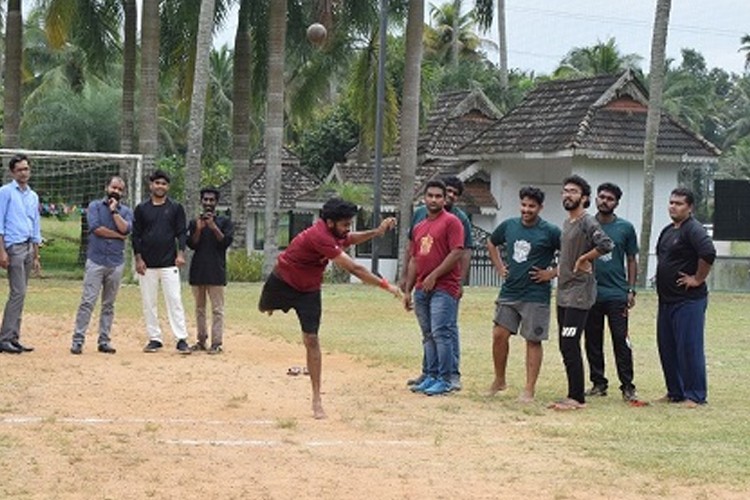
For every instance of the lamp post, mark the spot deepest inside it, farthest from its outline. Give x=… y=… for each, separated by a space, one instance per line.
x=379 y=109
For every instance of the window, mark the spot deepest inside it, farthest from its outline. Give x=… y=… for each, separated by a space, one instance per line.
x=387 y=244
x=290 y=225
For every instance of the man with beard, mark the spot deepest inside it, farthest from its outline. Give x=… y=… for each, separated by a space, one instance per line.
x=209 y=236
x=434 y=270
x=298 y=275
x=109 y=224
x=454 y=188
x=530 y=245
x=581 y=243
x=159 y=247
x=685 y=254
x=615 y=296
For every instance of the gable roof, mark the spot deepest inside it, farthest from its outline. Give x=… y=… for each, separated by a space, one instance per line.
x=294 y=181
x=602 y=116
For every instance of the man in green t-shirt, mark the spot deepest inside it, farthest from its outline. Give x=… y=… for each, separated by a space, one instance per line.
x=529 y=245
x=616 y=274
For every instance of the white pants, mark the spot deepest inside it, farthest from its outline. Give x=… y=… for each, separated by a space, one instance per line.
x=170 y=285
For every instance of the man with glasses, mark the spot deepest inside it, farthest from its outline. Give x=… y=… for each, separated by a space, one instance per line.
x=616 y=274
x=20 y=236
x=581 y=243
x=209 y=235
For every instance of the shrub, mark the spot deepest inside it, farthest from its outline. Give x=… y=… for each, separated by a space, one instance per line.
x=244 y=267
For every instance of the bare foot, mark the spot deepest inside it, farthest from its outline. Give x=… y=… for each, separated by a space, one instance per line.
x=689 y=403
x=318 y=412
x=526 y=397
x=497 y=386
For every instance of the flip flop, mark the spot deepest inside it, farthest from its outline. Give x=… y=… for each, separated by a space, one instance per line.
x=294 y=371
x=566 y=404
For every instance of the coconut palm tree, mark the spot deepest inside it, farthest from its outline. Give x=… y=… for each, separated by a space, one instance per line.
x=148 y=139
x=198 y=105
x=745 y=41
x=451 y=35
x=656 y=87
x=12 y=81
x=129 y=68
x=274 y=135
x=604 y=58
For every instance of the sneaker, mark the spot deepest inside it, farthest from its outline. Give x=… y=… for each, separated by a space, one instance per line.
x=216 y=349
x=629 y=395
x=597 y=390
x=427 y=382
x=456 y=383
x=439 y=387
x=416 y=380
x=182 y=347
x=76 y=348
x=198 y=346
x=153 y=346
x=106 y=349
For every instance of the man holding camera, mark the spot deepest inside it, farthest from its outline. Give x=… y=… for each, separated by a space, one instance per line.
x=109 y=223
x=209 y=236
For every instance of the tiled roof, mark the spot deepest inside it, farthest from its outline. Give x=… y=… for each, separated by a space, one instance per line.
x=294 y=182
x=603 y=113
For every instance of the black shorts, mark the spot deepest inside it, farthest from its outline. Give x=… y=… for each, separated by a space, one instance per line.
x=277 y=294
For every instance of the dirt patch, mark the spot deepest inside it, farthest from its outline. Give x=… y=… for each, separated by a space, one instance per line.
x=135 y=425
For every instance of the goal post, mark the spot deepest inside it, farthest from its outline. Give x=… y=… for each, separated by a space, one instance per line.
x=66 y=182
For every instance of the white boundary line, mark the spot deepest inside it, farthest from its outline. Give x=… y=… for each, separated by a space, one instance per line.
x=105 y=421
x=262 y=443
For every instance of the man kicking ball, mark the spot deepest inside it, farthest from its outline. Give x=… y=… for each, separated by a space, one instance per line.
x=298 y=275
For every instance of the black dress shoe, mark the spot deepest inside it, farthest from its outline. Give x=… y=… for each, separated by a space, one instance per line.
x=24 y=348
x=9 y=348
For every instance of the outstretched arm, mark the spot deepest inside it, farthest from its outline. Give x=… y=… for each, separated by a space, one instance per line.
x=348 y=264
x=357 y=237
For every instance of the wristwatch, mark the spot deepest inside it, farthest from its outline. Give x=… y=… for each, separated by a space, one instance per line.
x=632 y=290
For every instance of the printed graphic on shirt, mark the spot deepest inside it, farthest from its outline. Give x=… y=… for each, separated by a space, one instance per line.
x=425 y=244
x=521 y=250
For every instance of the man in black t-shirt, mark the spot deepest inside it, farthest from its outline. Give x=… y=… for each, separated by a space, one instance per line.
x=209 y=235
x=685 y=254
x=159 y=247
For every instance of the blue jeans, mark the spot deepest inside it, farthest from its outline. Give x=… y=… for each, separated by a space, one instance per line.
x=437 y=313
x=679 y=335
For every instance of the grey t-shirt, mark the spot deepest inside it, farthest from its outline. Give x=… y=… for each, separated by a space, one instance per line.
x=578 y=290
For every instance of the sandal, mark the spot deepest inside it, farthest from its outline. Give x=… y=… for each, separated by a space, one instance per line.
x=294 y=371
x=567 y=404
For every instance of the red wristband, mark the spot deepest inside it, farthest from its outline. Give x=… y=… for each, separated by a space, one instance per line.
x=384 y=284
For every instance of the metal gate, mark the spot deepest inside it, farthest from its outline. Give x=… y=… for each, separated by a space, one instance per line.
x=481 y=270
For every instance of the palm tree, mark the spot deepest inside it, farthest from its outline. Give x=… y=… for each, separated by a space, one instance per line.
x=745 y=41
x=198 y=105
x=129 y=68
x=148 y=140
x=502 y=44
x=451 y=35
x=656 y=86
x=604 y=58
x=410 y=118
x=12 y=82
x=274 y=135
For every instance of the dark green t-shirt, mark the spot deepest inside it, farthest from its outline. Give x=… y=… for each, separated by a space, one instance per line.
x=522 y=249
x=611 y=280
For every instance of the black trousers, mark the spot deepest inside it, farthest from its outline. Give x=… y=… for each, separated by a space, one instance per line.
x=616 y=313
x=570 y=324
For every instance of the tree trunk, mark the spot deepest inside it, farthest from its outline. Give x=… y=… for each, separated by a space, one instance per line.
x=457 y=4
x=241 y=126
x=198 y=106
x=274 y=129
x=410 y=119
x=656 y=87
x=129 y=67
x=148 y=139
x=502 y=44
x=12 y=82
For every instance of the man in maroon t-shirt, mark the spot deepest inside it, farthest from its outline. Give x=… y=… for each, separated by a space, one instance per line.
x=435 y=271
x=296 y=280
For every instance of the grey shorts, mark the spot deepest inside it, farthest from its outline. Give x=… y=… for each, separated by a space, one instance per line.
x=532 y=317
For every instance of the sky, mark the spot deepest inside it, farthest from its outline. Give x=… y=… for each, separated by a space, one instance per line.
x=541 y=32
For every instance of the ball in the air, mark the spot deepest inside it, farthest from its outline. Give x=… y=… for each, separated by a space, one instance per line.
x=316 y=33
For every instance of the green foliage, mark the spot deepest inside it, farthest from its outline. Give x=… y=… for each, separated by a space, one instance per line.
x=603 y=58
x=58 y=118
x=327 y=140
x=175 y=166
x=243 y=267
x=60 y=252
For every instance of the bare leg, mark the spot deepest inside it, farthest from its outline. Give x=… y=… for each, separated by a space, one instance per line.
x=314 y=366
x=534 y=355
x=500 y=348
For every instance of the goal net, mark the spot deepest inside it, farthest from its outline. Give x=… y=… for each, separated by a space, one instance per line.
x=66 y=183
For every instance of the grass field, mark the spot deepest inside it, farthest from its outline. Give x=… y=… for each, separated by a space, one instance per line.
x=705 y=445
